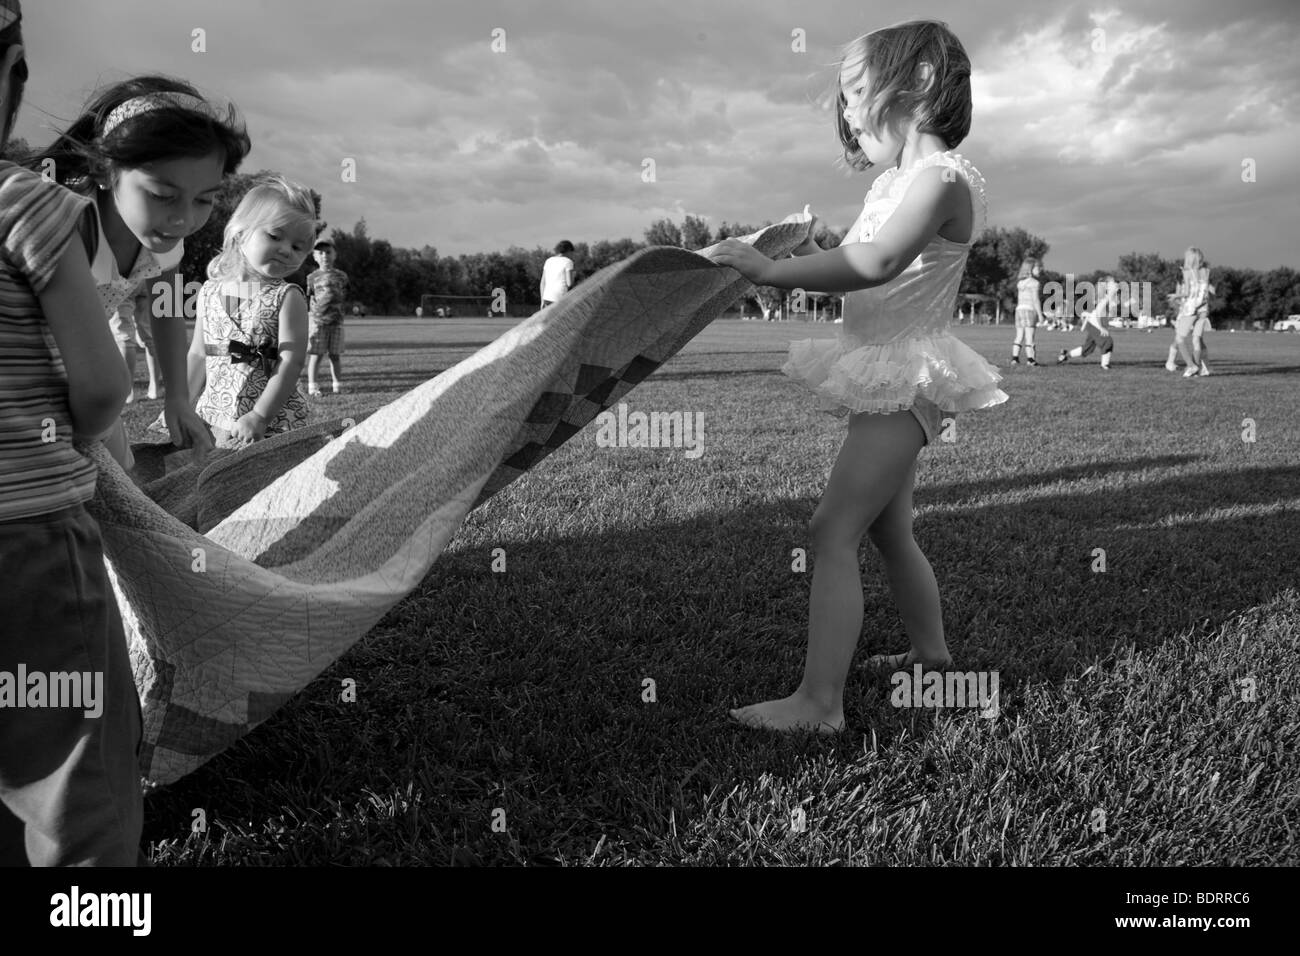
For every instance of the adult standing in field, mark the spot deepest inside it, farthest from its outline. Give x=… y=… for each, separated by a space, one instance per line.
x=1029 y=311
x=557 y=274
x=327 y=287
x=1193 y=315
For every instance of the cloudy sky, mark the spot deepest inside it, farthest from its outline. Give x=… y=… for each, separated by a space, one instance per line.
x=1103 y=127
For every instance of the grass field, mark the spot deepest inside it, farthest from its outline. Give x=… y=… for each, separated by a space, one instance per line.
x=1128 y=731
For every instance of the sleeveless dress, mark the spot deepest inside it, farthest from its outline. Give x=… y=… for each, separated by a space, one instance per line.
x=894 y=346
x=241 y=351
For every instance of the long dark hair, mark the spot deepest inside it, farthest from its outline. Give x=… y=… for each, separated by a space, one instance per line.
x=82 y=155
x=11 y=36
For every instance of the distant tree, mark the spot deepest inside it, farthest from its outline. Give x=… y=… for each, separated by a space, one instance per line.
x=769 y=299
x=371 y=266
x=1163 y=274
x=663 y=232
x=414 y=276
x=581 y=258
x=994 y=262
x=1281 y=294
x=605 y=253
x=695 y=233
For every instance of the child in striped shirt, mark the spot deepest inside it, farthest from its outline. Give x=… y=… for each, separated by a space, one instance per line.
x=69 y=714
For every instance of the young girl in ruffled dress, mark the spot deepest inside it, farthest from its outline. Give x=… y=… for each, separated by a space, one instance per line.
x=895 y=369
x=250 y=330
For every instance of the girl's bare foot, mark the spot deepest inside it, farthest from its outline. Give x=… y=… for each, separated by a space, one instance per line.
x=792 y=713
x=896 y=662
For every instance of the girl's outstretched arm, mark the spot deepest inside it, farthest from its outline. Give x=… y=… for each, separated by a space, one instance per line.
x=933 y=200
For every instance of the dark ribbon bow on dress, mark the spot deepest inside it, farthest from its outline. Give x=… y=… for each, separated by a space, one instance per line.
x=266 y=354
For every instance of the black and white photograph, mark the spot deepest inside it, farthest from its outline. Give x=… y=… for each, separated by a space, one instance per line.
x=758 y=435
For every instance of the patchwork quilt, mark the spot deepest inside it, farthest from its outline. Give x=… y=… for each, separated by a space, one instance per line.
x=241 y=581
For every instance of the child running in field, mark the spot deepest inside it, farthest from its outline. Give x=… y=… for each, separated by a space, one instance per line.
x=152 y=153
x=327 y=288
x=69 y=784
x=250 y=331
x=1096 y=335
x=1193 y=319
x=1029 y=311
x=895 y=369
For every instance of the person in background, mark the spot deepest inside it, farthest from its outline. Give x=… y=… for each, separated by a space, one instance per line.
x=1193 y=316
x=1029 y=310
x=327 y=287
x=1096 y=334
x=557 y=274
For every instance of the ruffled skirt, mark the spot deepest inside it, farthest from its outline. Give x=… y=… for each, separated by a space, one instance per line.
x=889 y=378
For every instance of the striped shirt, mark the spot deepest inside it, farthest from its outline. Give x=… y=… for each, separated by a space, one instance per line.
x=326 y=290
x=39 y=470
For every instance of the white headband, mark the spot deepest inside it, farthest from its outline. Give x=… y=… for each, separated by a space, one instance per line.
x=156 y=101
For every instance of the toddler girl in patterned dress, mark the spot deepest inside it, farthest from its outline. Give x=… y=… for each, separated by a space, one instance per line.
x=250 y=331
x=895 y=370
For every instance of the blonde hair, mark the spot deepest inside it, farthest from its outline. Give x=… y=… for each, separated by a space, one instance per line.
x=919 y=70
x=1027 y=267
x=1194 y=259
x=272 y=201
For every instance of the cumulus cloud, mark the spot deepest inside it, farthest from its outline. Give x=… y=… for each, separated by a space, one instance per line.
x=1101 y=142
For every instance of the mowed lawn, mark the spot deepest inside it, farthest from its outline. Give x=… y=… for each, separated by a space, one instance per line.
x=1148 y=714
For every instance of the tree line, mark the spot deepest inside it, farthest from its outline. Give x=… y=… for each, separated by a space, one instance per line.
x=390 y=280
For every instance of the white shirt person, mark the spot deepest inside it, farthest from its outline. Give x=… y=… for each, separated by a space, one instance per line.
x=557 y=274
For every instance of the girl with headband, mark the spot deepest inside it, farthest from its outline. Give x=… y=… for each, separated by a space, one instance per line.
x=153 y=154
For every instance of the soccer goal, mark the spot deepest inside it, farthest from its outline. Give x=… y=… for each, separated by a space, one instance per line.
x=457 y=306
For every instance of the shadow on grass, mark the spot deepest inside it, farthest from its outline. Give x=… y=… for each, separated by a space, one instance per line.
x=372 y=349
x=717 y=374
x=948 y=492
x=527 y=690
